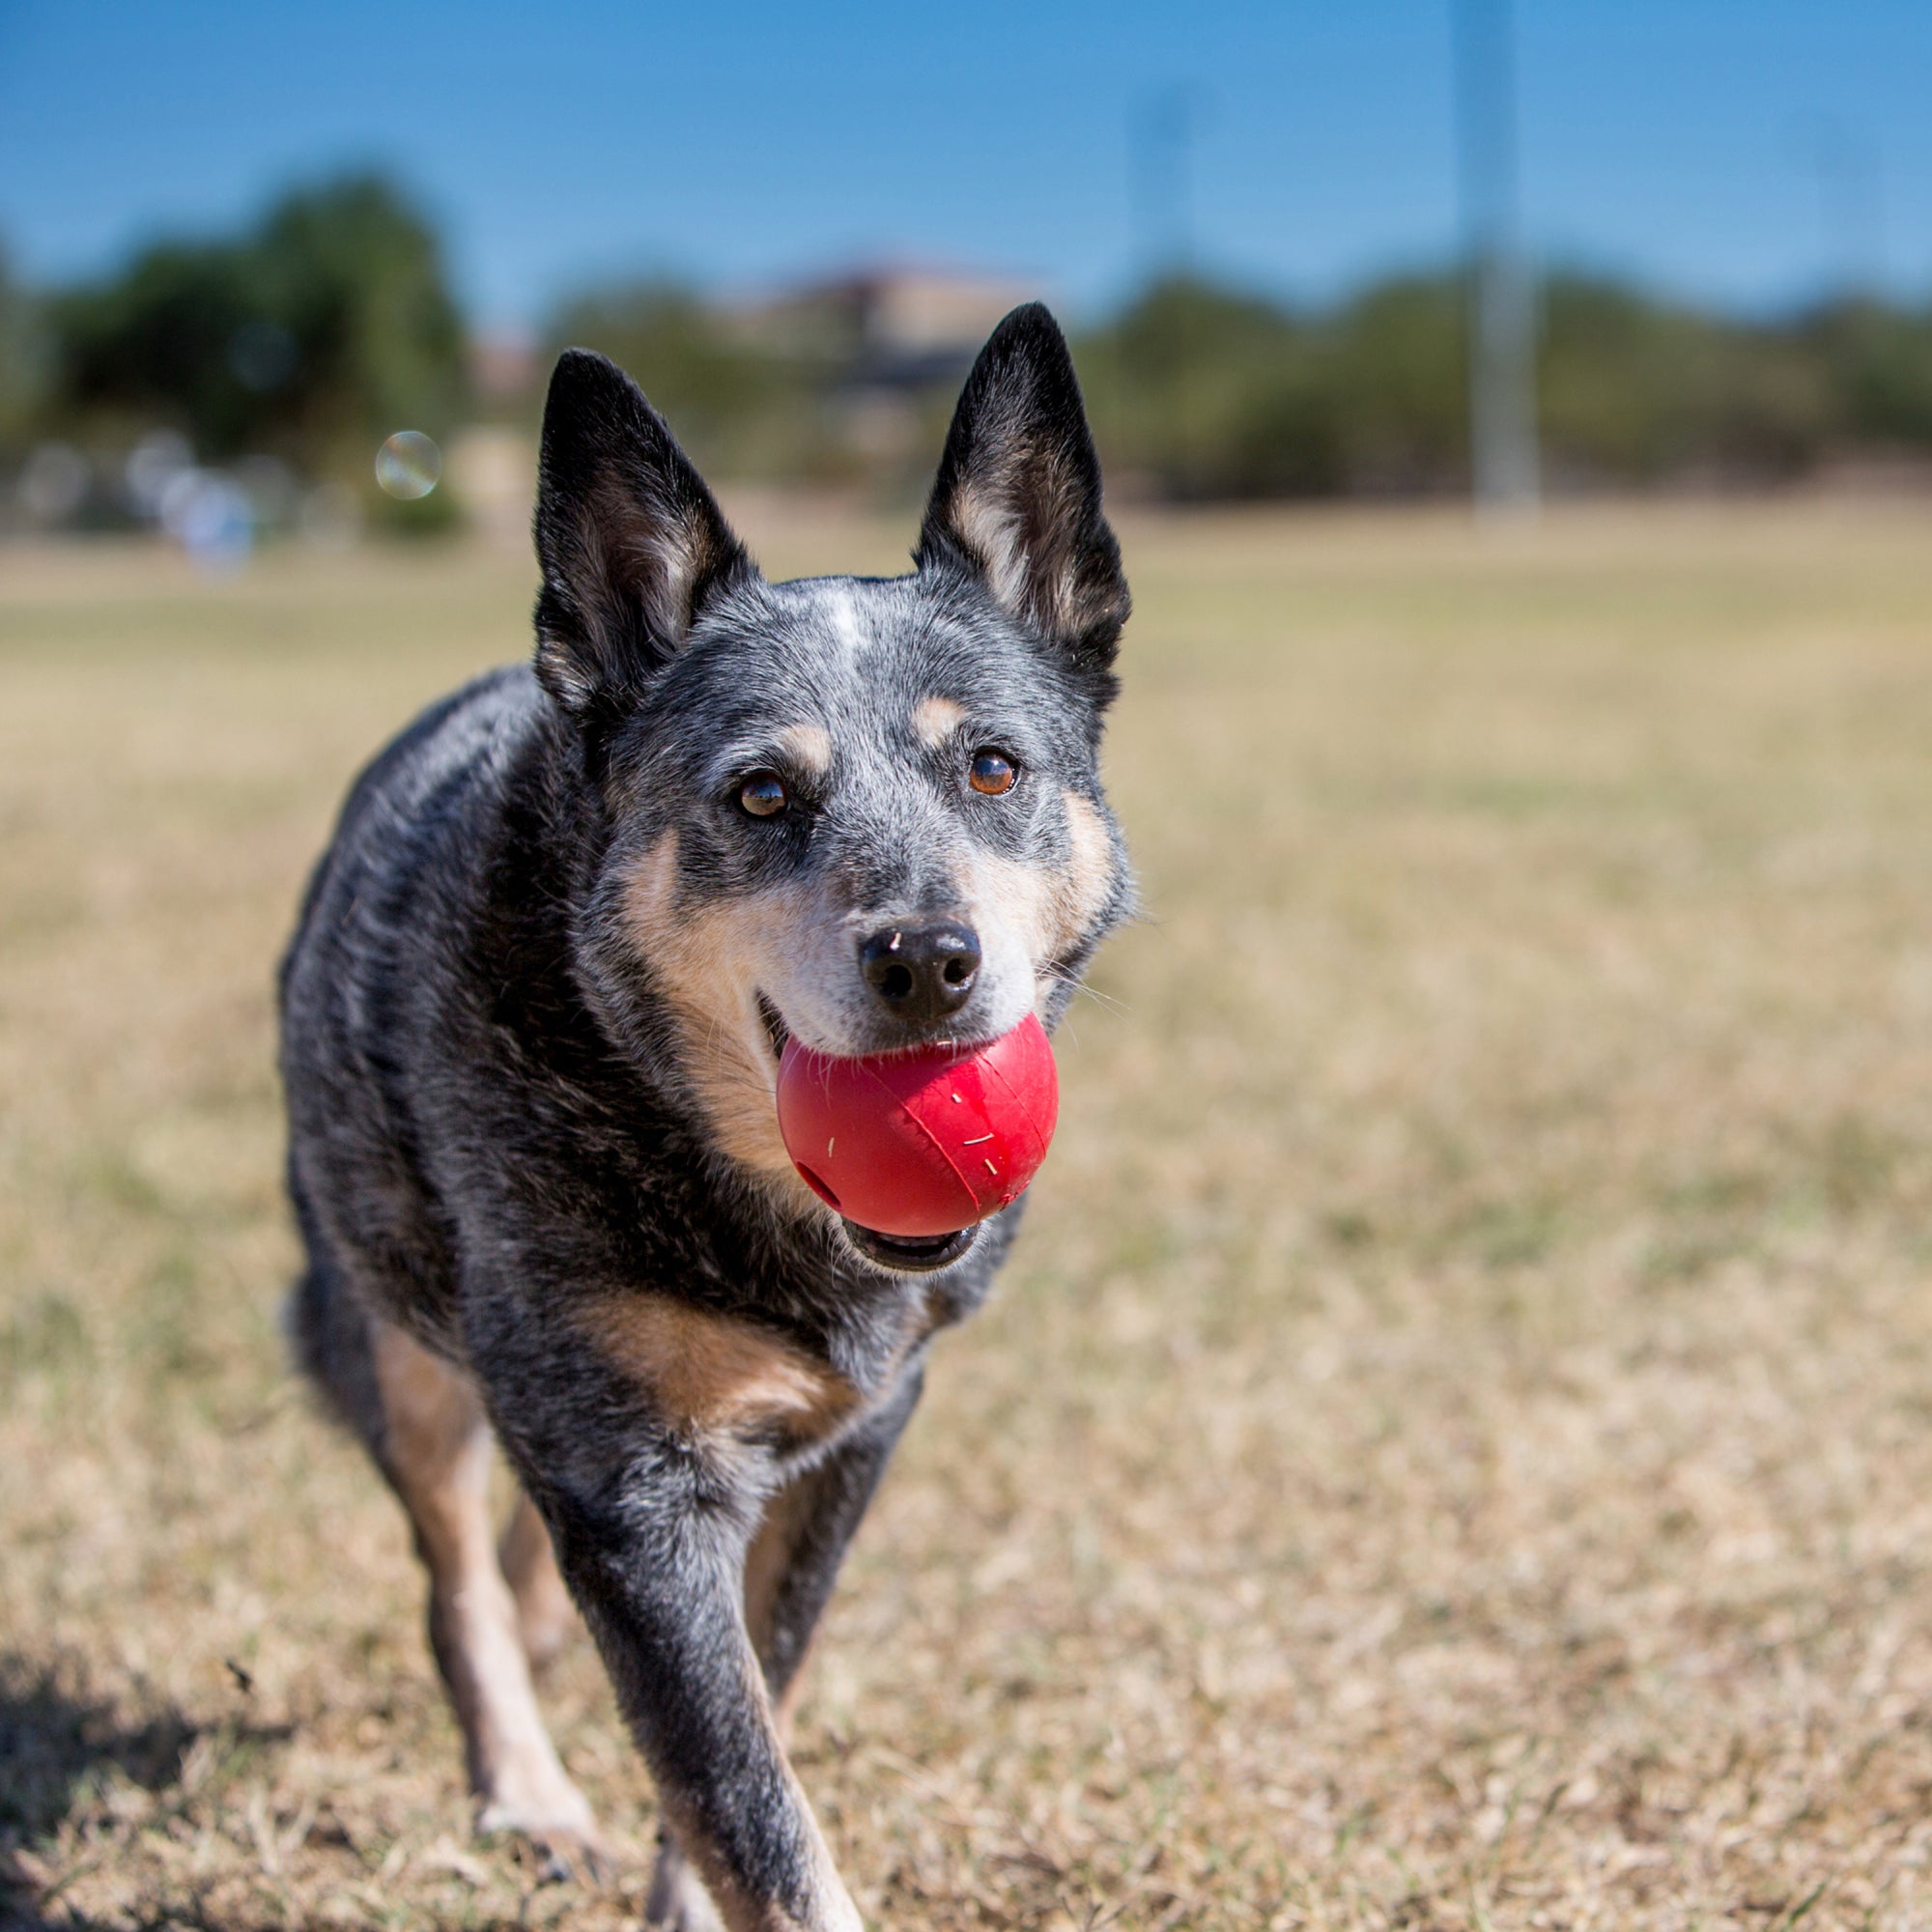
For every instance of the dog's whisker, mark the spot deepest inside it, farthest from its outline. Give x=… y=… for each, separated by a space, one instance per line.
x=1081 y=987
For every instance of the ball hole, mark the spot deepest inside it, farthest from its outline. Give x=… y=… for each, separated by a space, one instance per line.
x=818 y=1187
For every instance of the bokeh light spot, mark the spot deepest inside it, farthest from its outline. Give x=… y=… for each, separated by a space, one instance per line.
x=408 y=465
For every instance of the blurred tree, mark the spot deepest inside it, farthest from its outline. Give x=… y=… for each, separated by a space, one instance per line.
x=331 y=324
x=312 y=337
x=1636 y=391
x=1395 y=364
x=738 y=405
x=1880 y=364
x=23 y=358
x=1200 y=392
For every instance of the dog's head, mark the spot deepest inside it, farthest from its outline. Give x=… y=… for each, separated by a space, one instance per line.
x=863 y=811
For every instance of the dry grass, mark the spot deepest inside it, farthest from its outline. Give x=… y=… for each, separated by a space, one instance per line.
x=1453 y=1451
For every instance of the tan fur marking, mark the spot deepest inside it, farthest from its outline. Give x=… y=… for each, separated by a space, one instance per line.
x=714 y=1374
x=936 y=720
x=1090 y=874
x=809 y=746
x=1051 y=910
x=703 y=960
x=1009 y=896
x=992 y=531
x=1030 y=567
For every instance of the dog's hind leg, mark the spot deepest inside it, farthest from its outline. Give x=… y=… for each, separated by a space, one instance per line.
x=435 y=1449
x=545 y=1617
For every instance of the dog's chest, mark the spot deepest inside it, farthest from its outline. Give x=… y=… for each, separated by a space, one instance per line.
x=723 y=1378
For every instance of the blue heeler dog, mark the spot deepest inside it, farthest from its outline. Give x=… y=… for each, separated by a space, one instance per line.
x=531 y=1021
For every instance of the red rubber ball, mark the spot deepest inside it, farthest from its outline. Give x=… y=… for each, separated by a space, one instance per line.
x=923 y=1143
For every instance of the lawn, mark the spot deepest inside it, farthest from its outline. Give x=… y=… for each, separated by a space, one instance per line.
x=1455 y=1447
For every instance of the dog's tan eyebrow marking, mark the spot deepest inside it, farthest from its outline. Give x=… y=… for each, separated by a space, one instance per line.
x=808 y=745
x=936 y=719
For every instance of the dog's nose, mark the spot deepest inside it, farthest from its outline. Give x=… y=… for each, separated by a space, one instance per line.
x=922 y=972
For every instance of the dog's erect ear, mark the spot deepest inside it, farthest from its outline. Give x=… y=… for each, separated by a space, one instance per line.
x=1018 y=494
x=631 y=541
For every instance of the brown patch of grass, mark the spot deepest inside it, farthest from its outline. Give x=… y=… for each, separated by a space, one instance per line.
x=1454 y=1450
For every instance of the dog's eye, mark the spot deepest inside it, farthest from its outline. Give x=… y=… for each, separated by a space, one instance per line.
x=763 y=795
x=992 y=772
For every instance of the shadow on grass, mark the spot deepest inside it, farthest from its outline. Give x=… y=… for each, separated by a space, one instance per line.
x=61 y=1748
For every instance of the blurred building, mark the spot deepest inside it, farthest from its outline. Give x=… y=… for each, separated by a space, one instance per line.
x=892 y=336
x=892 y=327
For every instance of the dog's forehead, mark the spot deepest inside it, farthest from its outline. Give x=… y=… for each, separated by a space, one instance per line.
x=849 y=618
x=854 y=655
x=880 y=633
x=845 y=649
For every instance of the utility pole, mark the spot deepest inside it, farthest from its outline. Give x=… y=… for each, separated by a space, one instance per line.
x=1502 y=301
x=1160 y=138
x=1850 y=210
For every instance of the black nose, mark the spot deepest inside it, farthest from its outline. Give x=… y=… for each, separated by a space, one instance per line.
x=922 y=972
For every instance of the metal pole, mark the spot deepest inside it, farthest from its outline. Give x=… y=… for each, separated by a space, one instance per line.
x=1502 y=301
x=1161 y=135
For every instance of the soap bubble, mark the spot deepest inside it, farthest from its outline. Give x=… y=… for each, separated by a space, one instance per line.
x=408 y=465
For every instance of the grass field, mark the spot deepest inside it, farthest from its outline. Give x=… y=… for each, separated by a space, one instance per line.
x=1454 y=1450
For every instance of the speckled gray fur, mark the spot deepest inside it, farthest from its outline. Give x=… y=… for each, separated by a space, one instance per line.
x=494 y=1117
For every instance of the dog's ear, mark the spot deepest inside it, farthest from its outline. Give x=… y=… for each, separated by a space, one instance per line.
x=1018 y=495
x=631 y=541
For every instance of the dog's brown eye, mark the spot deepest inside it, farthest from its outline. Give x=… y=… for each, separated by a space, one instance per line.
x=992 y=772
x=763 y=795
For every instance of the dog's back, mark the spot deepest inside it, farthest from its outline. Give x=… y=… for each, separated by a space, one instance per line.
x=363 y=984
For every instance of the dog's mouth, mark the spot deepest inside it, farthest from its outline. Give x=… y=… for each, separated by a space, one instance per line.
x=903 y=1254
x=906 y=1254
x=775 y=1029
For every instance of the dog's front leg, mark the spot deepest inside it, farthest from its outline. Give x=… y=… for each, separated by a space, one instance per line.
x=790 y=1568
x=794 y=1559
x=651 y=1526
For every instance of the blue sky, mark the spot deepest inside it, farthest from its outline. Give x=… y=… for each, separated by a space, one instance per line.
x=1746 y=152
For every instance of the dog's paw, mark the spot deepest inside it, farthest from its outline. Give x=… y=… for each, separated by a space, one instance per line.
x=559 y=1829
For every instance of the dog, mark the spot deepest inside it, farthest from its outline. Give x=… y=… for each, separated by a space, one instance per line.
x=531 y=1023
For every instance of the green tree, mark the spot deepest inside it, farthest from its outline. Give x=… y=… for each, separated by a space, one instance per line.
x=20 y=359
x=1395 y=364
x=1200 y=392
x=1633 y=390
x=740 y=407
x=1878 y=361
x=313 y=336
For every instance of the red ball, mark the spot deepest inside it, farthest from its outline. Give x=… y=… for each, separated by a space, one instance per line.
x=923 y=1143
